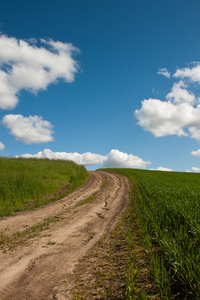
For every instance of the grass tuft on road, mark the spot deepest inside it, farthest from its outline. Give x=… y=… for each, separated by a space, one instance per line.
x=26 y=184
x=10 y=242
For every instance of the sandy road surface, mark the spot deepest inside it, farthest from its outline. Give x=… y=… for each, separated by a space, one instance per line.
x=41 y=269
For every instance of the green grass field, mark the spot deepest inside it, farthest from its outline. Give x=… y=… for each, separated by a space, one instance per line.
x=29 y=183
x=167 y=208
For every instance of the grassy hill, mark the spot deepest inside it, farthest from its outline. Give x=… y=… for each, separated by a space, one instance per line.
x=29 y=183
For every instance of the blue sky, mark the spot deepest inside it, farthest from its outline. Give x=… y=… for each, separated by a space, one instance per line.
x=104 y=82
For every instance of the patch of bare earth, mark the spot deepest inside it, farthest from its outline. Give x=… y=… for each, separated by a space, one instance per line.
x=43 y=265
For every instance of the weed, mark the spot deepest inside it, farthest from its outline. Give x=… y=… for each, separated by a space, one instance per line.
x=93 y=196
x=50 y=243
x=88 y=200
x=9 y=242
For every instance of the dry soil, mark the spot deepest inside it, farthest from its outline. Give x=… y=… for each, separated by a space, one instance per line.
x=41 y=268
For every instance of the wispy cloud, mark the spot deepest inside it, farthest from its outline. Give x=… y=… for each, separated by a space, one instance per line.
x=23 y=65
x=32 y=129
x=163 y=169
x=164 y=72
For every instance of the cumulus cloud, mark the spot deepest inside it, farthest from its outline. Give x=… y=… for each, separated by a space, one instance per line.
x=164 y=72
x=86 y=159
x=114 y=159
x=162 y=118
x=8 y=98
x=2 y=146
x=179 y=94
x=196 y=153
x=192 y=74
x=32 y=129
x=118 y=159
x=23 y=65
x=179 y=115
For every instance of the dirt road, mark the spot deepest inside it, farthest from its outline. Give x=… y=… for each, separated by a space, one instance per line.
x=40 y=269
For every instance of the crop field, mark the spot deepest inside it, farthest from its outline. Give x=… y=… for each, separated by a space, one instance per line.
x=29 y=183
x=167 y=208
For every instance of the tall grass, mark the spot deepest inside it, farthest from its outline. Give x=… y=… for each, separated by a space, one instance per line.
x=167 y=206
x=29 y=183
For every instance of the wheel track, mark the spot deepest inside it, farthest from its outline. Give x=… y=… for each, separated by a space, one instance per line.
x=27 y=219
x=41 y=270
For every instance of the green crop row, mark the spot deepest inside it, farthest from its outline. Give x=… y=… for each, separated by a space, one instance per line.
x=29 y=183
x=167 y=208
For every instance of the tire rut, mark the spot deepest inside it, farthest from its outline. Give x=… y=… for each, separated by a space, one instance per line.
x=42 y=268
x=26 y=219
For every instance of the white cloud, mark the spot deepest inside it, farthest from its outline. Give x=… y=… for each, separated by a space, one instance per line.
x=2 y=146
x=192 y=74
x=8 y=98
x=32 y=129
x=196 y=153
x=23 y=65
x=86 y=159
x=32 y=40
x=194 y=169
x=179 y=94
x=177 y=116
x=163 y=169
x=164 y=72
x=118 y=159
x=163 y=118
x=115 y=159
x=89 y=159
